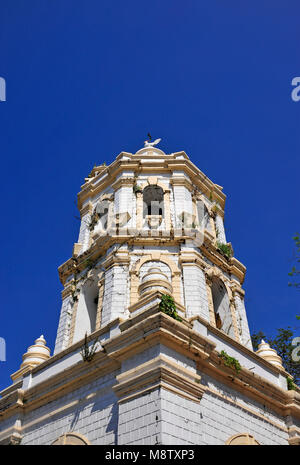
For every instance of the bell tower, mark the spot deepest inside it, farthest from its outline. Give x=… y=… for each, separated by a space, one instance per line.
x=151 y=222
x=153 y=344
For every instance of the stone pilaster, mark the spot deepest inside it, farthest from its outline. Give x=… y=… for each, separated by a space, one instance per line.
x=221 y=237
x=100 y=303
x=124 y=199
x=139 y=210
x=167 y=211
x=115 y=288
x=64 y=326
x=242 y=322
x=194 y=286
x=84 y=233
x=182 y=200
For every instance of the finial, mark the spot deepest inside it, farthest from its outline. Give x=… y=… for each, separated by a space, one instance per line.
x=37 y=353
x=265 y=351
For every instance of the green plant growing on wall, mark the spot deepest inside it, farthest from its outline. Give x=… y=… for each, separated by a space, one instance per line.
x=230 y=361
x=137 y=188
x=86 y=352
x=290 y=384
x=167 y=306
x=225 y=249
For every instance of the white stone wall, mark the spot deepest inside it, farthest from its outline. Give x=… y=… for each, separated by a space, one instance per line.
x=157 y=416
x=115 y=293
x=221 y=237
x=140 y=420
x=163 y=417
x=63 y=331
x=84 y=232
x=124 y=202
x=155 y=351
x=242 y=321
x=94 y=417
x=222 y=419
x=195 y=293
x=181 y=421
x=182 y=201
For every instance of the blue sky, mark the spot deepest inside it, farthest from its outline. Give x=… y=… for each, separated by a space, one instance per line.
x=86 y=80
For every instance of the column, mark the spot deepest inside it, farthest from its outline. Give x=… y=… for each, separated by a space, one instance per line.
x=220 y=231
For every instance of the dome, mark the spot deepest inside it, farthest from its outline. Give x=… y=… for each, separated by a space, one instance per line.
x=150 y=149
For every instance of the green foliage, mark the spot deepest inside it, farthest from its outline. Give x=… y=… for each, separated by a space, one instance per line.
x=225 y=249
x=256 y=339
x=87 y=353
x=295 y=272
x=167 y=306
x=137 y=188
x=290 y=384
x=230 y=361
x=282 y=343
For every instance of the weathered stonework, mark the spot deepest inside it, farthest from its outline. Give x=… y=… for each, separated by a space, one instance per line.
x=153 y=379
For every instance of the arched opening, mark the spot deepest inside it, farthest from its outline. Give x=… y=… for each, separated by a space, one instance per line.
x=153 y=198
x=222 y=306
x=71 y=439
x=242 y=439
x=86 y=313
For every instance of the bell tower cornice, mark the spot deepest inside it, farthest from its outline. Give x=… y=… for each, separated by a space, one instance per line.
x=139 y=163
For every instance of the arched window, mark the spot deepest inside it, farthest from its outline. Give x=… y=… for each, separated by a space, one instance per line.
x=153 y=198
x=222 y=306
x=86 y=313
x=242 y=439
x=71 y=439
